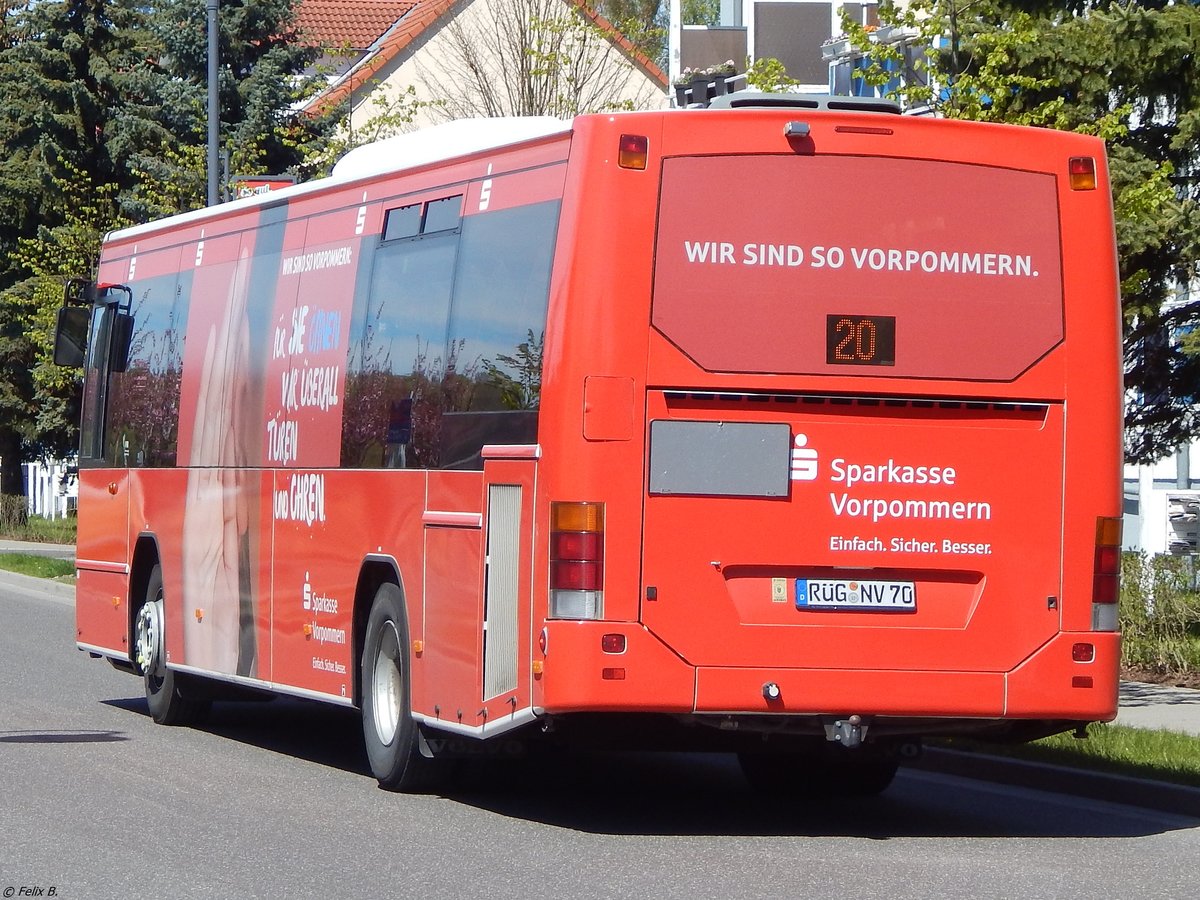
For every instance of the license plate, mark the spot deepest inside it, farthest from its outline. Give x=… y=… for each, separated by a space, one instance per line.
x=829 y=593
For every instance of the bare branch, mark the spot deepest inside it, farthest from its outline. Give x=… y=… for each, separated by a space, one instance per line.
x=528 y=58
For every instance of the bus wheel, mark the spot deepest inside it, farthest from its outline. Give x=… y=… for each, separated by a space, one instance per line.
x=389 y=730
x=167 y=693
x=842 y=773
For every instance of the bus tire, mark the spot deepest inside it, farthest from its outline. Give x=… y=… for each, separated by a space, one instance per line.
x=842 y=773
x=172 y=699
x=390 y=733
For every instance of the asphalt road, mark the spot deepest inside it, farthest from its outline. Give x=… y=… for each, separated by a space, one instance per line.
x=273 y=800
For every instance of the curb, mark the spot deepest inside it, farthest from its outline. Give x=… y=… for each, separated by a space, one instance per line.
x=38 y=548
x=1157 y=795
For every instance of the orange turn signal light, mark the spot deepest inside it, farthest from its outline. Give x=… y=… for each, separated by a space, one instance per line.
x=585 y=517
x=633 y=151
x=1082 y=170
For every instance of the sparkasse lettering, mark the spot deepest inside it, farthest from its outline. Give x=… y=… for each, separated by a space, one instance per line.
x=877 y=509
x=890 y=472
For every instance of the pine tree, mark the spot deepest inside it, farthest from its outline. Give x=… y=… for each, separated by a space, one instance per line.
x=263 y=77
x=64 y=71
x=102 y=122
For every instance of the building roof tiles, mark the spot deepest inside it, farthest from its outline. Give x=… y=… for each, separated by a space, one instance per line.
x=406 y=26
x=353 y=24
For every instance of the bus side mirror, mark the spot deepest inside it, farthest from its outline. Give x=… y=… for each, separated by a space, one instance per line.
x=122 y=335
x=71 y=336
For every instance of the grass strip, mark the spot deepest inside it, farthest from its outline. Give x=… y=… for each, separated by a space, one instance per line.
x=42 y=531
x=1117 y=749
x=37 y=566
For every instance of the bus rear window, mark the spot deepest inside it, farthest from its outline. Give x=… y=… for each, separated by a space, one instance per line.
x=818 y=265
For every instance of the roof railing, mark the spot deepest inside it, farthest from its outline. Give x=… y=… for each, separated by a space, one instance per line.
x=760 y=100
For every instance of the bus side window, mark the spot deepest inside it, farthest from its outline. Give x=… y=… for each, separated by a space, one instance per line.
x=142 y=413
x=96 y=384
x=497 y=325
x=398 y=362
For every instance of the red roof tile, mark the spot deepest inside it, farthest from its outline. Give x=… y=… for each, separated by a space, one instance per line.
x=354 y=24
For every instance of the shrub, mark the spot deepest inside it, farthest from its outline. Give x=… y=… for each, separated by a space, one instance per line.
x=14 y=513
x=17 y=524
x=1159 y=613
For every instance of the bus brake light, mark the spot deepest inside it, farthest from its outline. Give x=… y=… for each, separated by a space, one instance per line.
x=1083 y=173
x=1106 y=578
x=576 y=560
x=632 y=151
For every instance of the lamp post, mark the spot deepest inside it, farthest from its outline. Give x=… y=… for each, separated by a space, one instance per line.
x=214 y=109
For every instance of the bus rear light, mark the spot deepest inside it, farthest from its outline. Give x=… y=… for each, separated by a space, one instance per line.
x=1083 y=652
x=576 y=575
x=633 y=151
x=1106 y=589
x=1106 y=574
x=612 y=643
x=576 y=560
x=612 y=674
x=1083 y=173
x=1081 y=681
x=577 y=517
x=576 y=545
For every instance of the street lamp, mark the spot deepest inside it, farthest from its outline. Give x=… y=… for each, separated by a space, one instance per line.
x=214 y=110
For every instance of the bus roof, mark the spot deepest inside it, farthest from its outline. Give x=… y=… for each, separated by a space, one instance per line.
x=449 y=140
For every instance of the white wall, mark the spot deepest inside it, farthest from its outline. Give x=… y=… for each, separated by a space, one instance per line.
x=415 y=64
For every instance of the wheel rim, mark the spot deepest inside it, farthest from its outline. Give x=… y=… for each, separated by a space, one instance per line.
x=386 y=685
x=148 y=636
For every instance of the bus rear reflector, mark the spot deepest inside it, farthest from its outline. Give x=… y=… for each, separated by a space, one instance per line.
x=632 y=151
x=1083 y=173
x=576 y=560
x=612 y=643
x=1106 y=577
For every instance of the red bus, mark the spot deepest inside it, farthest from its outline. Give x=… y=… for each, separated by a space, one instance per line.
x=787 y=431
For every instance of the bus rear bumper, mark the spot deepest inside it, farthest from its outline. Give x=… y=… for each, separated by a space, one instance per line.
x=847 y=692
x=1075 y=675
x=1051 y=684
x=579 y=675
x=1072 y=677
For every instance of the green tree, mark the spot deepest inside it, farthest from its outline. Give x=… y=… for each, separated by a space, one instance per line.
x=644 y=22
x=67 y=72
x=102 y=122
x=700 y=12
x=265 y=74
x=52 y=256
x=1127 y=71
